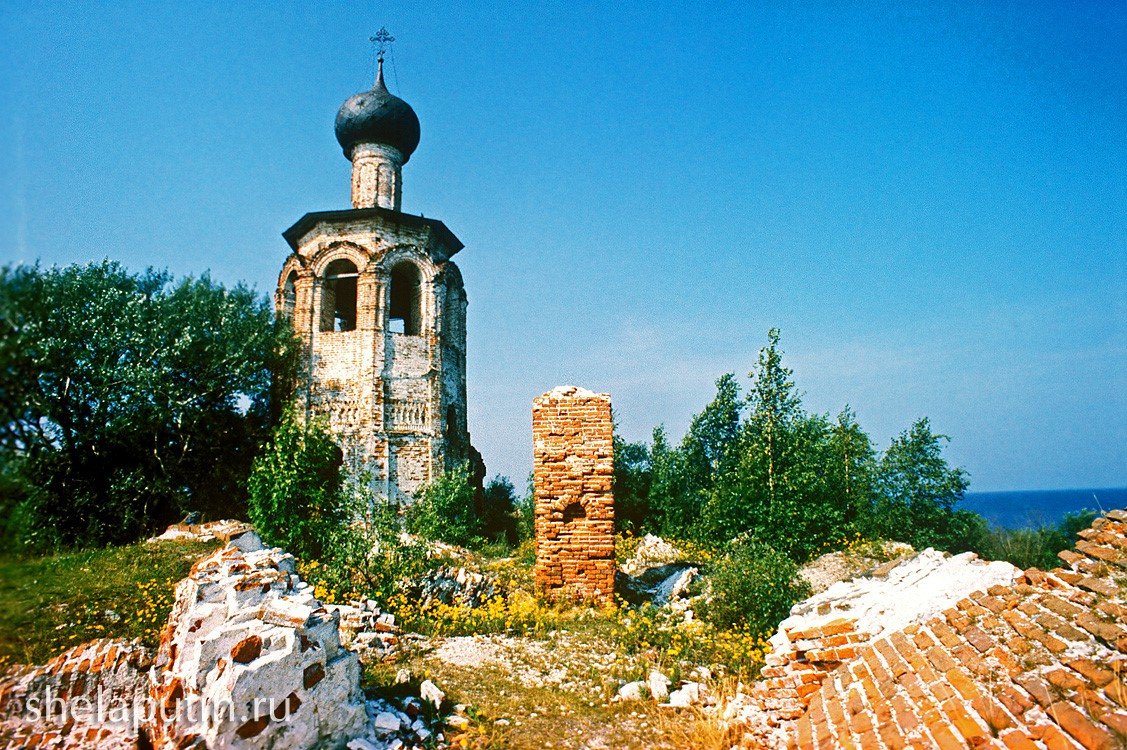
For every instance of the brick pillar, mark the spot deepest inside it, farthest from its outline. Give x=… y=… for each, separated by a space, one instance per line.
x=573 y=479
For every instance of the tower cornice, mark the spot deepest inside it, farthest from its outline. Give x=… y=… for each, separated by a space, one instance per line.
x=442 y=236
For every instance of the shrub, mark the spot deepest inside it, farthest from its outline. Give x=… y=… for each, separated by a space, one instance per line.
x=296 y=489
x=526 y=513
x=367 y=556
x=21 y=532
x=753 y=587
x=499 y=522
x=1034 y=547
x=445 y=510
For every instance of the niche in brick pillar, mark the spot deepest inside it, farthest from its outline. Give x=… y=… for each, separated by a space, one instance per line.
x=573 y=479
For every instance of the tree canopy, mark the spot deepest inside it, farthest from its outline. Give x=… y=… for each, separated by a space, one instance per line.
x=127 y=399
x=765 y=468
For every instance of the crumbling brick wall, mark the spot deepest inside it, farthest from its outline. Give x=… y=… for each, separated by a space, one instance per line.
x=573 y=478
x=1037 y=663
x=90 y=696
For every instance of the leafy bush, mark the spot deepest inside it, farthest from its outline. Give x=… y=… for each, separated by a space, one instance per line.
x=526 y=513
x=296 y=489
x=367 y=556
x=128 y=399
x=445 y=510
x=499 y=524
x=1034 y=547
x=753 y=587
x=21 y=532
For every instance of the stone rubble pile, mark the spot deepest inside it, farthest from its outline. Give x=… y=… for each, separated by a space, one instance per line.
x=250 y=658
x=372 y=634
x=657 y=573
x=665 y=585
x=403 y=724
x=203 y=532
x=454 y=586
x=826 y=570
x=651 y=552
x=688 y=693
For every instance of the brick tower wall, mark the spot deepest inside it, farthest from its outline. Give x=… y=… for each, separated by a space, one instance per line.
x=573 y=478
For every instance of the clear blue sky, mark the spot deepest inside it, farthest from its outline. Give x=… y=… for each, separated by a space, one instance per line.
x=928 y=199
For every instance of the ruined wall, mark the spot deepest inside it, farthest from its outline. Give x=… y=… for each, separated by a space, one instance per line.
x=573 y=476
x=953 y=653
x=82 y=698
x=1036 y=664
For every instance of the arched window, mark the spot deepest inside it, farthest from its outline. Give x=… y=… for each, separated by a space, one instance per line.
x=289 y=295
x=406 y=310
x=338 y=296
x=574 y=512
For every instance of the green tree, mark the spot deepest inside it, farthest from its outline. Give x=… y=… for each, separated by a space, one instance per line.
x=852 y=465
x=774 y=487
x=775 y=408
x=445 y=510
x=683 y=478
x=500 y=499
x=917 y=494
x=297 y=498
x=128 y=399
x=633 y=476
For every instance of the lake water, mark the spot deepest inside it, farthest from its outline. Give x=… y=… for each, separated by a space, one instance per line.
x=1041 y=507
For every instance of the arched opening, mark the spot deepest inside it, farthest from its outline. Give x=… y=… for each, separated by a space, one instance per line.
x=338 y=296
x=574 y=512
x=405 y=312
x=289 y=295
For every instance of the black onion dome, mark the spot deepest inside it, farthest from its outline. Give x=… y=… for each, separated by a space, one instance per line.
x=378 y=116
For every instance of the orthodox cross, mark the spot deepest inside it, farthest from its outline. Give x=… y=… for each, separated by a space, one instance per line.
x=380 y=41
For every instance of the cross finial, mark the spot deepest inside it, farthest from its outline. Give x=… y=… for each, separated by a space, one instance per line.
x=381 y=41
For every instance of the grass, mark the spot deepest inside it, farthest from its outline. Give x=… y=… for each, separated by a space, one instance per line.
x=49 y=604
x=549 y=671
x=507 y=713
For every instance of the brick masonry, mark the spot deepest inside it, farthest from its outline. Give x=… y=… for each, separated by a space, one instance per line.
x=84 y=698
x=396 y=400
x=1038 y=664
x=573 y=479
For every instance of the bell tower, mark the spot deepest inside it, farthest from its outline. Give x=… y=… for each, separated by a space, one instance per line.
x=381 y=310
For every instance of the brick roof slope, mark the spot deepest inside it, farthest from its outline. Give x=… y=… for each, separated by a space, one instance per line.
x=1040 y=664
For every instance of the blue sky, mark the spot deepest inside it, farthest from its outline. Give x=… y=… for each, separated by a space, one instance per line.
x=928 y=199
